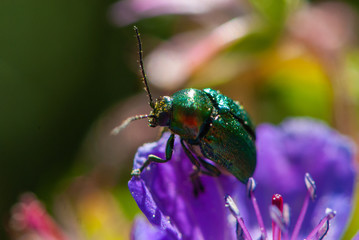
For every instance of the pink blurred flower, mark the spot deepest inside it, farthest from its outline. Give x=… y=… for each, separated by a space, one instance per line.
x=173 y=62
x=129 y=11
x=30 y=219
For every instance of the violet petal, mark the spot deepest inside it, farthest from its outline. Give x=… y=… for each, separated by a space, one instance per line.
x=286 y=152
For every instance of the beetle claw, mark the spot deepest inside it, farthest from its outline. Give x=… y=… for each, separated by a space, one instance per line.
x=197 y=185
x=198 y=188
x=136 y=172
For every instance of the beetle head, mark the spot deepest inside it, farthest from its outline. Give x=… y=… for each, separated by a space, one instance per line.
x=161 y=113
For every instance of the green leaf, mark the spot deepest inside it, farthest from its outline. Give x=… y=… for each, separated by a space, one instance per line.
x=275 y=12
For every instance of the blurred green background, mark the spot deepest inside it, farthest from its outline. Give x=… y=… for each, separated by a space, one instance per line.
x=64 y=67
x=61 y=65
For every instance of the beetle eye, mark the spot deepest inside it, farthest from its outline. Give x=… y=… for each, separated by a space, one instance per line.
x=163 y=119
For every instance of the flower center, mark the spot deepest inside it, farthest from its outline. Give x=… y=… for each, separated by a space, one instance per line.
x=279 y=213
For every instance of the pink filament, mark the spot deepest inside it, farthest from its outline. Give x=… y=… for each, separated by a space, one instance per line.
x=259 y=215
x=247 y=235
x=301 y=217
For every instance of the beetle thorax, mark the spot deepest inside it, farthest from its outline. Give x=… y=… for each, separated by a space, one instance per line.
x=191 y=109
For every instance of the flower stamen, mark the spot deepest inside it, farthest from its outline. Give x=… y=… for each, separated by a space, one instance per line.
x=235 y=212
x=311 y=193
x=322 y=228
x=286 y=220
x=280 y=215
x=251 y=185
x=276 y=213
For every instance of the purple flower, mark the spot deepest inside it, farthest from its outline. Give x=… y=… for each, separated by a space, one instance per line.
x=164 y=192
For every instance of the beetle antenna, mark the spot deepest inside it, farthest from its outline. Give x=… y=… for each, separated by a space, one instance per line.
x=144 y=77
x=124 y=124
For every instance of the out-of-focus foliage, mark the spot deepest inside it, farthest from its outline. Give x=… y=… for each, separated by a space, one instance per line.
x=63 y=66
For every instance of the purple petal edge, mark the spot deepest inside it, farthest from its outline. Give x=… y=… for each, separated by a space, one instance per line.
x=148 y=206
x=142 y=229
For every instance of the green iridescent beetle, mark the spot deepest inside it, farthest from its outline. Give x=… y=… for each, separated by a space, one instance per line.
x=207 y=120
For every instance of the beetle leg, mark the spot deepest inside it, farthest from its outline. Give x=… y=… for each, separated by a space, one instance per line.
x=197 y=169
x=197 y=184
x=154 y=158
x=211 y=170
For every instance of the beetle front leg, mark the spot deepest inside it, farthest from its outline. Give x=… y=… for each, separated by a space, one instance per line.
x=154 y=158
